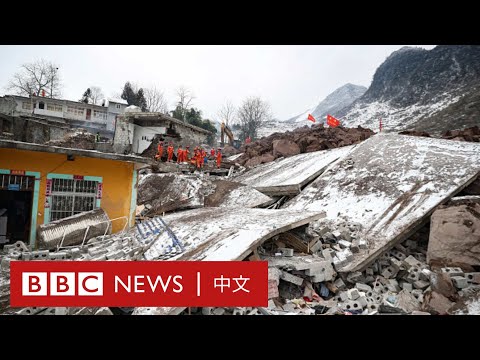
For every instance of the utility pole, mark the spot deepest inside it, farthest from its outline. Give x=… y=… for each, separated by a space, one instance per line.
x=53 y=76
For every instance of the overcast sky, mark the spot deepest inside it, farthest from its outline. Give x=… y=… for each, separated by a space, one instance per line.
x=291 y=78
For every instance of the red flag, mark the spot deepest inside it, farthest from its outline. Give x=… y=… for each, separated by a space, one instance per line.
x=331 y=121
x=311 y=118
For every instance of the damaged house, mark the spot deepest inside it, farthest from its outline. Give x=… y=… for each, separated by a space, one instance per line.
x=135 y=131
x=41 y=183
x=39 y=119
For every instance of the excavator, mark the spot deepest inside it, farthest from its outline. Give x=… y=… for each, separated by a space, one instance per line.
x=225 y=130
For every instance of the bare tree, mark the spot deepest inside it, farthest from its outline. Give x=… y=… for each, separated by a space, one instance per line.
x=185 y=98
x=96 y=94
x=156 y=101
x=227 y=112
x=253 y=113
x=35 y=77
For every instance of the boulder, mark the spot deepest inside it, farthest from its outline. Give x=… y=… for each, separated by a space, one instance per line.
x=436 y=303
x=229 y=151
x=257 y=160
x=407 y=302
x=455 y=235
x=266 y=158
x=442 y=284
x=285 y=148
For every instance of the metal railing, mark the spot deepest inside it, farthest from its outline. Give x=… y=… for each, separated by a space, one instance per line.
x=110 y=221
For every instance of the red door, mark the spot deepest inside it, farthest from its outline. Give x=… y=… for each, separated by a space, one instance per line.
x=89 y=114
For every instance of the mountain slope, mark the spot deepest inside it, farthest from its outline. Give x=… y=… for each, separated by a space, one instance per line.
x=414 y=88
x=333 y=103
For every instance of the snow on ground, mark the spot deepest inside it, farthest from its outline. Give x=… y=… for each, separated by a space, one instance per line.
x=234 y=157
x=245 y=196
x=387 y=183
x=393 y=119
x=472 y=308
x=224 y=233
x=294 y=170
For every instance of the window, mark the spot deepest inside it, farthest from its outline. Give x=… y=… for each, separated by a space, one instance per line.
x=70 y=197
x=119 y=106
x=54 y=107
x=41 y=105
x=16 y=182
x=26 y=105
x=100 y=114
x=75 y=110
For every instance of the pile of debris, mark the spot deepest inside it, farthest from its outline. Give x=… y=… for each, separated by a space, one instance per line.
x=301 y=140
x=372 y=228
x=163 y=193
x=471 y=134
x=151 y=151
x=400 y=281
x=110 y=247
x=79 y=139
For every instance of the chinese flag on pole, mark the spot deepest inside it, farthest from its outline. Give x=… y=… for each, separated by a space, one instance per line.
x=331 y=121
x=311 y=118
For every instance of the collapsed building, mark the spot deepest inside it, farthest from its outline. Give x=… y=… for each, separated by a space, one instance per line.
x=140 y=132
x=390 y=224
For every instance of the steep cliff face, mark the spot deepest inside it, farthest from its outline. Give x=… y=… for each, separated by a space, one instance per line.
x=418 y=88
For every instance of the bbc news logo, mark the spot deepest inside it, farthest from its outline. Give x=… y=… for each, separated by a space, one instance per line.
x=62 y=284
x=139 y=283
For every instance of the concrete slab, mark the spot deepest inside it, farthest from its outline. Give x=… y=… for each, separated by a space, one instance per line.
x=226 y=233
x=222 y=234
x=288 y=176
x=390 y=184
x=168 y=192
x=234 y=194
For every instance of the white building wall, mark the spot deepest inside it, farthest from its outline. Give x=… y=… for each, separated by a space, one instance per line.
x=143 y=136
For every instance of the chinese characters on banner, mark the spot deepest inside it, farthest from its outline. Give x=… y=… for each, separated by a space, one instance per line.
x=17 y=172
x=99 y=190
x=48 y=192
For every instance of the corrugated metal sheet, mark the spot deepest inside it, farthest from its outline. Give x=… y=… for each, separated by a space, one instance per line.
x=74 y=227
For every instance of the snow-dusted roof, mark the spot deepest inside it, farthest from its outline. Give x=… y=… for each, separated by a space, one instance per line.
x=117 y=101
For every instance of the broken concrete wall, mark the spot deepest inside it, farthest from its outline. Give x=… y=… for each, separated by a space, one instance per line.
x=123 y=138
x=455 y=235
x=287 y=176
x=72 y=229
x=389 y=184
x=226 y=233
x=37 y=132
x=167 y=192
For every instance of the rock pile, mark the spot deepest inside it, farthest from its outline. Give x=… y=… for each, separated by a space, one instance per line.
x=300 y=140
x=80 y=139
x=471 y=134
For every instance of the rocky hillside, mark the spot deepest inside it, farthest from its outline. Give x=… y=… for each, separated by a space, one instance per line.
x=433 y=90
x=333 y=103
